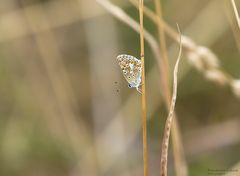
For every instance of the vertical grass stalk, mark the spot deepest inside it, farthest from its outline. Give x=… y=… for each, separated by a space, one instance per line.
x=144 y=110
x=180 y=170
x=167 y=130
x=162 y=46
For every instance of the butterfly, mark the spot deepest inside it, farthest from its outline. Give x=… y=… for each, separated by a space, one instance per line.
x=132 y=70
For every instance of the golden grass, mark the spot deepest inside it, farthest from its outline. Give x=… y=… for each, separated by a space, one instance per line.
x=180 y=163
x=162 y=41
x=45 y=50
x=202 y=58
x=179 y=157
x=168 y=124
x=144 y=109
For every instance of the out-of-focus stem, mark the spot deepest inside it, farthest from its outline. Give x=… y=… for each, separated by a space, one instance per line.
x=236 y=13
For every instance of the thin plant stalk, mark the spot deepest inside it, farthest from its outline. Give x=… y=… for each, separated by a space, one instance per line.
x=162 y=41
x=220 y=76
x=179 y=159
x=236 y=13
x=144 y=109
x=186 y=42
x=155 y=18
x=166 y=81
x=126 y=19
x=180 y=167
x=122 y=16
x=235 y=30
x=167 y=130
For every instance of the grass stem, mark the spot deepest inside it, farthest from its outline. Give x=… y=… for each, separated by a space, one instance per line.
x=144 y=110
x=167 y=130
x=236 y=13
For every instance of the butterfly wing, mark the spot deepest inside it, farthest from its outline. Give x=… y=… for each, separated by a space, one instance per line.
x=131 y=68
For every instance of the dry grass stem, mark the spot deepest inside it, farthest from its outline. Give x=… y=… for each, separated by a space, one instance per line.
x=179 y=157
x=180 y=163
x=144 y=109
x=167 y=28
x=200 y=57
x=162 y=41
x=165 y=142
x=122 y=16
x=54 y=71
x=231 y=20
x=236 y=12
x=163 y=73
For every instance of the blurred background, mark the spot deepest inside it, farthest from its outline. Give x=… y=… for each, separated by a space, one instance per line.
x=65 y=106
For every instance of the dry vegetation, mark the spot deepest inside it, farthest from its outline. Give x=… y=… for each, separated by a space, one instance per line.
x=66 y=109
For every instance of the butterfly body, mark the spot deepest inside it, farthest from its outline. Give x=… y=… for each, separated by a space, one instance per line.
x=132 y=69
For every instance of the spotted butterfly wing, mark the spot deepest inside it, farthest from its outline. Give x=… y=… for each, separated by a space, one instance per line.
x=131 y=68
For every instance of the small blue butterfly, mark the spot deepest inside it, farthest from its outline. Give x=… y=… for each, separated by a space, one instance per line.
x=132 y=70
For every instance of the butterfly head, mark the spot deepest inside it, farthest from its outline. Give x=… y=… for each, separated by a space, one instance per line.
x=130 y=86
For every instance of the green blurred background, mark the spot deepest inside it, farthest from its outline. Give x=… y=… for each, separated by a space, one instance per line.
x=66 y=109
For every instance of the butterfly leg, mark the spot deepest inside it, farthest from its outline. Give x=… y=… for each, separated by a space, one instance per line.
x=139 y=90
